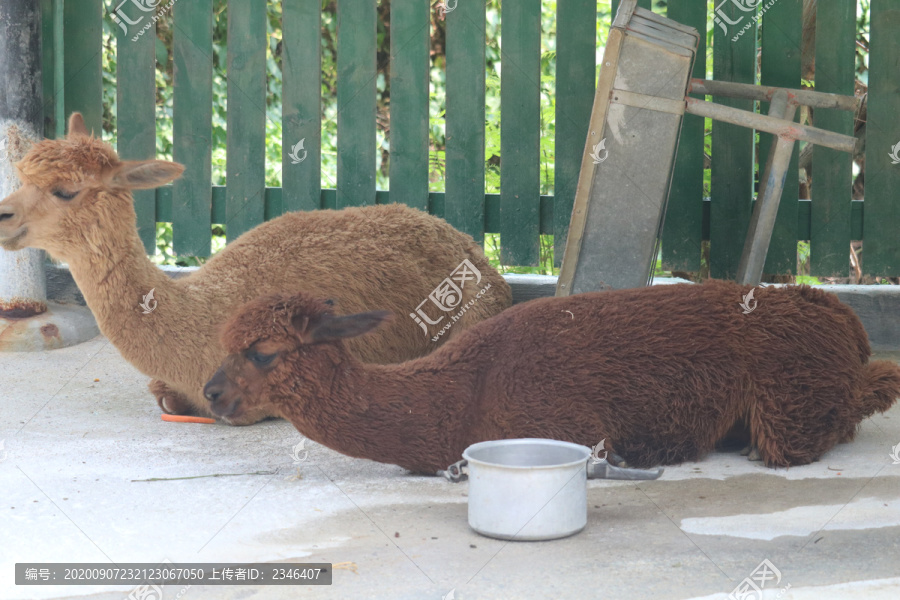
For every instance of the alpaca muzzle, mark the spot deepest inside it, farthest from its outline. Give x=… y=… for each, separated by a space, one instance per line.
x=220 y=394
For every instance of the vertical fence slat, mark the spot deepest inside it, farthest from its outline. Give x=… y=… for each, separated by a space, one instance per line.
x=520 y=133
x=192 y=127
x=246 y=141
x=356 y=71
x=59 y=69
x=48 y=67
x=464 y=204
x=410 y=45
x=301 y=86
x=136 y=109
x=782 y=24
x=83 y=81
x=683 y=230
x=731 y=186
x=576 y=64
x=642 y=3
x=832 y=171
x=881 y=245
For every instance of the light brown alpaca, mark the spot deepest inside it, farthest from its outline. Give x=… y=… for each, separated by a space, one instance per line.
x=76 y=203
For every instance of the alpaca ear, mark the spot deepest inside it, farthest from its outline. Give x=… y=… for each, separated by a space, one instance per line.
x=145 y=174
x=76 y=125
x=330 y=328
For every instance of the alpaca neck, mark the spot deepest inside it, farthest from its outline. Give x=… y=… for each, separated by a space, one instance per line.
x=402 y=414
x=114 y=278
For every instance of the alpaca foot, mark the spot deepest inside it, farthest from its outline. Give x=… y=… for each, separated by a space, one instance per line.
x=751 y=452
x=617 y=461
x=170 y=401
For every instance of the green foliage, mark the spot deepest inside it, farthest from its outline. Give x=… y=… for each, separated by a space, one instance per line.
x=437 y=104
x=274 y=148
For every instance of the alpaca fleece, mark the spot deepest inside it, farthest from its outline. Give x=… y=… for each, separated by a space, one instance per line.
x=391 y=256
x=661 y=373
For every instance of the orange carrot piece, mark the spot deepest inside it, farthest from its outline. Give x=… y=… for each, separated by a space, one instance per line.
x=186 y=419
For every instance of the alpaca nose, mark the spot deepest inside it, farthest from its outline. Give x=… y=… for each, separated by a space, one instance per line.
x=215 y=387
x=212 y=393
x=6 y=213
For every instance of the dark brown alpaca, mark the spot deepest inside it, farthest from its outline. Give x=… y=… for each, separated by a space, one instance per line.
x=660 y=373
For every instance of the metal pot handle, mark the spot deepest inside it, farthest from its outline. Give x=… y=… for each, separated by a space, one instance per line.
x=602 y=469
x=596 y=469
x=455 y=473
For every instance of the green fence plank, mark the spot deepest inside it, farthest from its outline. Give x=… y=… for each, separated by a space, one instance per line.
x=246 y=144
x=642 y=3
x=492 y=217
x=465 y=39
x=59 y=69
x=192 y=127
x=520 y=132
x=356 y=103
x=781 y=27
x=48 y=68
x=684 y=215
x=832 y=171
x=731 y=186
x=881 y=245
x=136 y=109
x=302 y=105
x=83 y=83
x=410 y=47
x=576 y=64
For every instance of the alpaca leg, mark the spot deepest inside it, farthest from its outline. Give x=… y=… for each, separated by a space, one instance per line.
x=784 y=436
x=617 y=461
x=751 y=452
x=170 y=401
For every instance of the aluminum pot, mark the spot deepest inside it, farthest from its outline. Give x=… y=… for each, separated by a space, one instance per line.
x=527 y=489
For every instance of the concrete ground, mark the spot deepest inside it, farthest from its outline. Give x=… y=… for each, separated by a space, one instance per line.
x=82 y=435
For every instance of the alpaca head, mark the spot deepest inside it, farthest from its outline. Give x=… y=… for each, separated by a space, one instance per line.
x=75 y=194
x=282 y=349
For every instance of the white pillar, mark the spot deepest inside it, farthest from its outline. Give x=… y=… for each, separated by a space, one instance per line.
x=23 y=283
x=22 y=279
x=27 y=322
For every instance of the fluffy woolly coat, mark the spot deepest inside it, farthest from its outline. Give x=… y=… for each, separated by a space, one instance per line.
x=379 y=256
x=661 y=373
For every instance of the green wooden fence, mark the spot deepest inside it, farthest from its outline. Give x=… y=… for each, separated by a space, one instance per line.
x=72 y=81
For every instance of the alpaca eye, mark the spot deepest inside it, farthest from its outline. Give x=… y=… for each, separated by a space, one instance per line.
x=62 y=195
x=260 y=360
